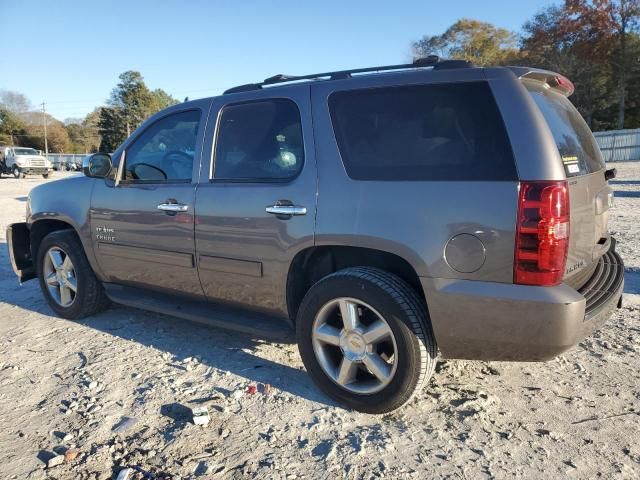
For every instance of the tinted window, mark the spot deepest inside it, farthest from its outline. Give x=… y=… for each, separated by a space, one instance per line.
x=577 y=147
x=259 y=141
x=426 y=132
x=165 y=150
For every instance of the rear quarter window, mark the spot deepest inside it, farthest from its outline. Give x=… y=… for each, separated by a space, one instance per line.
x=577 y=146
x=440 y=132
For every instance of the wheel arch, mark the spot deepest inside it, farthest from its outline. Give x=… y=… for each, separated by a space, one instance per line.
x=313 y=263
x=42 y=228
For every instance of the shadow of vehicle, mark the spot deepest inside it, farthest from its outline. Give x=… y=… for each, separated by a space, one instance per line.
x=626 y=194
x=624 y=182
x=221 y=349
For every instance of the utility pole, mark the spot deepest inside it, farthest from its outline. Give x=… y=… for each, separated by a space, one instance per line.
x=44 y=121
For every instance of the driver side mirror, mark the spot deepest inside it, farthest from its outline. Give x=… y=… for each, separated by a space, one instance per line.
x=97 y=165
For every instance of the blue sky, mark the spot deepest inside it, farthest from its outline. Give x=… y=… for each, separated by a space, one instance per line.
x=70 y=53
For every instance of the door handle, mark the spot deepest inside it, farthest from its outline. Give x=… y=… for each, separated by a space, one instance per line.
x=173 y=207
x=286 y=210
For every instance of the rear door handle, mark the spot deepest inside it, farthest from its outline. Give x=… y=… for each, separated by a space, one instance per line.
x=286 y=210
x=173 y=207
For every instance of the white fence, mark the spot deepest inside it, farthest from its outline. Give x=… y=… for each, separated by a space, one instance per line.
x=63 y=158
x=619 y=145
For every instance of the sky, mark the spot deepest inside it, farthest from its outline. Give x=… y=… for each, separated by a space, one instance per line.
x=69 y=53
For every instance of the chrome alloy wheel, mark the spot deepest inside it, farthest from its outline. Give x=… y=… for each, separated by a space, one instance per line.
x=354 y=345
x=60 y=276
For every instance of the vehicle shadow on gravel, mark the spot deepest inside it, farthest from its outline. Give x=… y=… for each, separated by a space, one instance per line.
x=626 y=194
x=624 y=182
x=223 y=350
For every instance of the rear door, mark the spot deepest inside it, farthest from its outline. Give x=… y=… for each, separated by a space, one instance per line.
x=256 y=201
x=589 y=193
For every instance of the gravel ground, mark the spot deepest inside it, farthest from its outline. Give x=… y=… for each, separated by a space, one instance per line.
x=116 y=387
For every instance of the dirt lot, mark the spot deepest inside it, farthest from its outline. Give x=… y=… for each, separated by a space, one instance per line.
x=74 y=384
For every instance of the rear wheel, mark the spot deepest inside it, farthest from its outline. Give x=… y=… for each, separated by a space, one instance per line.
x=365 y=339
x=66 y=278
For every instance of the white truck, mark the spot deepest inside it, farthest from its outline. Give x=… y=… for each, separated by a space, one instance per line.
x=20 y=161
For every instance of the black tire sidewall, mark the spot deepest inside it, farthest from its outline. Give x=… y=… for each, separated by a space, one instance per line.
x=408 y=371
x=67 y=241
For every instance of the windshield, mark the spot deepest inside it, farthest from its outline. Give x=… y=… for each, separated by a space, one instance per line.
x=25 y=151
x=576 y=144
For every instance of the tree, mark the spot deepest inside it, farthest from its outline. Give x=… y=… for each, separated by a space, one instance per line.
x=160 y=100
x=625 y=15
x=11 y=126
x=632 y=88
x=574 y=40
x=57 y=136
x=112 y=128
x=83 y=133
x=130 y=103
x=15 y=102
x=478 y=42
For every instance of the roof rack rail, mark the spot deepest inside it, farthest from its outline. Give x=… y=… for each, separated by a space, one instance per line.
x=430 y=61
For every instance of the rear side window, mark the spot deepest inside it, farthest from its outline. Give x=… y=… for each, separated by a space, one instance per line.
x=259 y=141
x=576 y=144
x=425 y=132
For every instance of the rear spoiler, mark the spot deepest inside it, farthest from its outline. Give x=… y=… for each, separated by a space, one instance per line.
x=553 y=80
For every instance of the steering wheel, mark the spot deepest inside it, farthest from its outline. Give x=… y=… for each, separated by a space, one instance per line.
x=176 y=161
x=145 y=171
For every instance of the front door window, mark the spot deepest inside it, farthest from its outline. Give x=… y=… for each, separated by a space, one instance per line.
x=165 y=151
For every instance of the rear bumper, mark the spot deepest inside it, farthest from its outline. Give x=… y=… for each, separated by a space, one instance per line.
x=19 y=244
x=493 y=321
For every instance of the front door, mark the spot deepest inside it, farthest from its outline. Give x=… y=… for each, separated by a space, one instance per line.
x=256 y=208
x=143 y=226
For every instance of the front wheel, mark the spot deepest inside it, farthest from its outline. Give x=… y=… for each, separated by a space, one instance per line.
x=66 y=278
x=16 y=172
x=365 y=338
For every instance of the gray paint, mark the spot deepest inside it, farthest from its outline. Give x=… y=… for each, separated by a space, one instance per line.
x=233 y=223
x=227 y=249
x=465 y=253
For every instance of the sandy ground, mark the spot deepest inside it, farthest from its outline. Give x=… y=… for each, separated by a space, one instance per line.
x=116 y=386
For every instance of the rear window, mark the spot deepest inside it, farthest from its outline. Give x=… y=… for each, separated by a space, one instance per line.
x=576 y=144
x=425 y=132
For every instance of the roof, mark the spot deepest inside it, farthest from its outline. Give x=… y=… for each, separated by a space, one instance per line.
x=432 y=61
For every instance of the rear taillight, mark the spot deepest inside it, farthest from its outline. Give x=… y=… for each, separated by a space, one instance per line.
x=542 y=233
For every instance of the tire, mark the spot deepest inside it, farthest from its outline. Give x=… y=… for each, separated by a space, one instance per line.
x=45 y=175
x=16 y=172
x=378 y=295
x=89 y=297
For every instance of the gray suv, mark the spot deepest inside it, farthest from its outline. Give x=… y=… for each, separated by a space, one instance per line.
x=385 y=214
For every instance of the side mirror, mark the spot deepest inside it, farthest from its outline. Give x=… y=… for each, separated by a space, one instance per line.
x=97 y=165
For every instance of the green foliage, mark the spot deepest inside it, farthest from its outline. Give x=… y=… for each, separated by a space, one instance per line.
x=595 y=43
x=10 y=126
x=57 y=136
x=479 y=42
x=130 y=103
x=112 y=128
x=84 y=134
